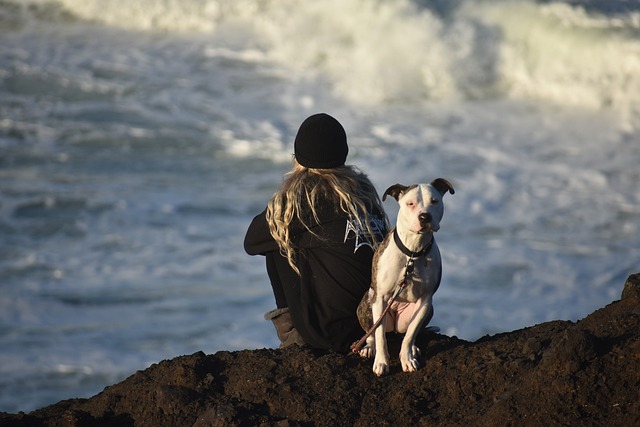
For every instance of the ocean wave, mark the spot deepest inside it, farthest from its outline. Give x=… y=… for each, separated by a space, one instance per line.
x=374 y=52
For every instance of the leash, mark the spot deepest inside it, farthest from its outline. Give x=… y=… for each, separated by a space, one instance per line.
x=357 y=346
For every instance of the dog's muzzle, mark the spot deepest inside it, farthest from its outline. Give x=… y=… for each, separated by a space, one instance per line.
x=425 y=219
x=427 y=223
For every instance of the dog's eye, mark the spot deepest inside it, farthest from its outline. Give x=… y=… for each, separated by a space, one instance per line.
x=410 y=204
x=434 y=201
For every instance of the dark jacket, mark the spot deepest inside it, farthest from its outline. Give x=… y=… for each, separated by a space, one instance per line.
x=335 y=269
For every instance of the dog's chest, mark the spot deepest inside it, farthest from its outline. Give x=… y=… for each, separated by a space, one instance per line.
x=392 y=271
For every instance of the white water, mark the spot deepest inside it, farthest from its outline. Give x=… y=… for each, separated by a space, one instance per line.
x=138 y=139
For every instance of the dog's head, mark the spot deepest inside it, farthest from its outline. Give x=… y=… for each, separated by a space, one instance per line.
x=421 y=206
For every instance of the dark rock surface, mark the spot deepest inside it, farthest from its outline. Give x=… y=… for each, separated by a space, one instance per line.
x=585 y=373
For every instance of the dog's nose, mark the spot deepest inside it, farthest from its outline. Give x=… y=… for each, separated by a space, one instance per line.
x=424 y=218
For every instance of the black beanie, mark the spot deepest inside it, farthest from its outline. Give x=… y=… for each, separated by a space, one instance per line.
x=321 y=143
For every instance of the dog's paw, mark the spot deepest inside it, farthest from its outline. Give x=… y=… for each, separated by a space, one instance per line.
x=380 y=369
x=409 y=359
x=410 y=365
x=381 y=366
x=367 y=351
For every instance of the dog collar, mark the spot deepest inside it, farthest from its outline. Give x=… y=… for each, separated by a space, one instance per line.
x=424 y=251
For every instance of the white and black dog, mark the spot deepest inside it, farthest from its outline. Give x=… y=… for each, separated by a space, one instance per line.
x=406 y=268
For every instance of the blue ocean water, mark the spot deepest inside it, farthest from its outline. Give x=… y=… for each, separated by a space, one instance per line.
x=138 y=139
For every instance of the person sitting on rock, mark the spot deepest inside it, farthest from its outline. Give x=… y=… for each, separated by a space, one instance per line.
x=318 y=235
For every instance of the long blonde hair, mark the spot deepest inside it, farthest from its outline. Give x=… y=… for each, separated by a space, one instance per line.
x=304 y=188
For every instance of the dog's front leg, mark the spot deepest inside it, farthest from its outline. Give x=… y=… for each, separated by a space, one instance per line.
x=409 y=352
x=381 y=360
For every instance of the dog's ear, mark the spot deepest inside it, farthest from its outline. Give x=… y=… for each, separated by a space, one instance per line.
x=442 y=185
x=394 y=191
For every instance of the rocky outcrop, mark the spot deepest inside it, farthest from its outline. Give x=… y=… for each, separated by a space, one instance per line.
x=585 y=373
